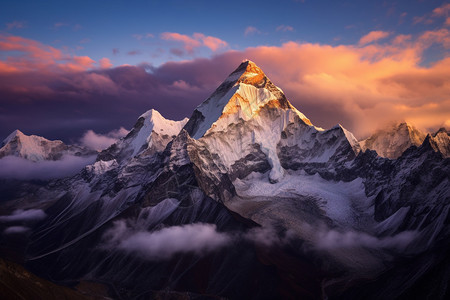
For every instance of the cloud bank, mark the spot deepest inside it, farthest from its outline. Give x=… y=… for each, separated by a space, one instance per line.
x=12 y=167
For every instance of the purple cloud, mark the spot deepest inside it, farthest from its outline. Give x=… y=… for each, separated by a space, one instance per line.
x=100 y=142
x=196 y=238
x=21 y=215
x=12 y=167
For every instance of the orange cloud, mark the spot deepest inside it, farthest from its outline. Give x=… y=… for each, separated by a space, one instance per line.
x=34 y=56
x=373 y=36
x=189 y=43
x=197 y=40
x=211 y=42
x=443 y=10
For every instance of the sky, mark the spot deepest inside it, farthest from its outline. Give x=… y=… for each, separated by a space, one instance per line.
x=71 y=68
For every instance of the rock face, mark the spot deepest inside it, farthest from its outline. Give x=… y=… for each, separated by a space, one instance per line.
x=393 y=140
x=36 y=148
x=246 y=199
x=440 y=142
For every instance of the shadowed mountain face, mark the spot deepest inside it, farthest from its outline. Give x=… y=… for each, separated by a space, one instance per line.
x=245 y=200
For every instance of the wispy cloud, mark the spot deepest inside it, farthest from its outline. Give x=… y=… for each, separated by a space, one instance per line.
x=373 y=36
x=60 y=24
x=16 y=230
x=195 y=41
x=332 y=240
x=442 y=11
x=143 y=36
x=285 y=28
x=134 y=52
x=38 y=56
x=24 y=215
x=251 y=30
x=15 y=25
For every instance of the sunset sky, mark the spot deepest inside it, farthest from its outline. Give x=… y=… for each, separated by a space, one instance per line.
x=67 y=67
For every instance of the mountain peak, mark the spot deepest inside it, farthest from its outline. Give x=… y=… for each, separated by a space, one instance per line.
x=239 y=98
x=249 y=73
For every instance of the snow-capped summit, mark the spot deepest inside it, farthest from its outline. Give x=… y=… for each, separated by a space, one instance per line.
x=240 y=97
x=393 y=140
x=37 y=148
x=151 y=133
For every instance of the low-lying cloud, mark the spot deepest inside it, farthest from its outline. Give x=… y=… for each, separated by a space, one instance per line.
x=21 y=215
x=99 y=142
x=16 y=230
x=12 y=167
x=196 y=238
x=333 y=239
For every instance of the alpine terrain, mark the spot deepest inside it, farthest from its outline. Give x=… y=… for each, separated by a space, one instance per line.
x=246 y=199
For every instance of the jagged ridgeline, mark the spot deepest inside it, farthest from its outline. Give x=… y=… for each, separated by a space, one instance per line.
x=246 y=199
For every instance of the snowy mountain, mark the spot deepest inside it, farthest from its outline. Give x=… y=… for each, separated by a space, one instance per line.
x=151 y=133
x=36 y=148
x=245 y=200
x=393 y=140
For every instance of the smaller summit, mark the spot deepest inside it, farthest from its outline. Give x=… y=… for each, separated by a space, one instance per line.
x=393 y=140
x=36 y=148
x=151 y=133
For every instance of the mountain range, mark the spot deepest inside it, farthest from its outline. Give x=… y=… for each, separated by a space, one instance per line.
x=246 y=199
